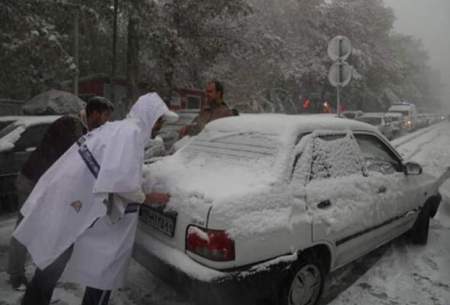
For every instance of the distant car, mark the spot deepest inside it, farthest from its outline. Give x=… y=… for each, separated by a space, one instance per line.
x=352 y=114
x=380 y=121
x=17 y=141
x=264 y=206
x=395 y=119
x=423 y=120
x=409 y=113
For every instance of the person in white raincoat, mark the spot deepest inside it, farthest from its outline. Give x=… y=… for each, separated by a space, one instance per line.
x=78 y=213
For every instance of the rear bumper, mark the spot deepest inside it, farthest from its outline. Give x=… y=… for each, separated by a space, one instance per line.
x=206 y=286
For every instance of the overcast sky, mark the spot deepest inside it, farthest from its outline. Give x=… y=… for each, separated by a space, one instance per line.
x=428 y=20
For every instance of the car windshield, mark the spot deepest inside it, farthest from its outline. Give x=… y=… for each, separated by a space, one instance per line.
x=370 y=120
x=243 y=149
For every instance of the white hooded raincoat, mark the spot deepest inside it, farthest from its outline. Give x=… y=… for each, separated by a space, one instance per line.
x=69 y=205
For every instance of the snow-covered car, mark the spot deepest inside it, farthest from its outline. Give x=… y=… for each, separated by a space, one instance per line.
x=264 y=206
x=7 y=119
x=380 y=121
x=395 y=119
x=352 y=114
x=17 y=141
x=170 y=131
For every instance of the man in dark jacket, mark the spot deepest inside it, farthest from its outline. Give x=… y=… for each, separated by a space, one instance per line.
x=58 y=138
x=215 y=109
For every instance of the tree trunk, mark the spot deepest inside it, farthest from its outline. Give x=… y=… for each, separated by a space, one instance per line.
x=133 y=57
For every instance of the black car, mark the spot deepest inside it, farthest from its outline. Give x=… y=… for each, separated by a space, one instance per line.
x=17 y=141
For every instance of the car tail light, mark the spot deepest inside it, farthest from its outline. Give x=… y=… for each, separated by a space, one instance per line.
x=215 y=245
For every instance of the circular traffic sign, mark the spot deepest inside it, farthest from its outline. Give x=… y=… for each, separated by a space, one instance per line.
x=339 y=48
x=340 y=74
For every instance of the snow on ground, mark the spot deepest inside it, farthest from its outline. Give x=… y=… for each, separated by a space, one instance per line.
x=397 y=274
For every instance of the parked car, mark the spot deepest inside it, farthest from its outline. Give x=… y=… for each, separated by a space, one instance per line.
x=170 y=131
x=7 y=119
x=395 y=119
x=264 y=206
x=352 y=114
x=423 y=120
x=380 y=121
x=17 y=141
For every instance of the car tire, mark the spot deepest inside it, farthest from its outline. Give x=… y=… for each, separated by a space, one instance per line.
x=419 y=232
x=304 y=283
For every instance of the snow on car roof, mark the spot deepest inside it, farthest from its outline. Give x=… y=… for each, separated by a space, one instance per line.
x=401 y=107
x=12 y=132
x=9 y=117
x=29 y=120
x=285 y=125
x=393 y=114
x=373 y=115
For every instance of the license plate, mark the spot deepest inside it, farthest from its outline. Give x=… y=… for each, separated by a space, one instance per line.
x=162 y=221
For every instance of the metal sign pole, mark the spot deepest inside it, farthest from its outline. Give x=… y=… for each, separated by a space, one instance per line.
x=338 y=110
x=338 y=91
x=340 y=74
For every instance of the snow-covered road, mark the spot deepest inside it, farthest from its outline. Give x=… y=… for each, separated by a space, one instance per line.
x=397 y=274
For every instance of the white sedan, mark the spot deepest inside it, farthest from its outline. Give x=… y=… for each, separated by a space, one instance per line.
x=264 y=206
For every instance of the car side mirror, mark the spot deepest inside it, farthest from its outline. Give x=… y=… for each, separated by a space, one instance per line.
x=412 y=168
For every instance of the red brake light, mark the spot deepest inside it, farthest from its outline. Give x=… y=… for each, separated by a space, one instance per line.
x=215 y=245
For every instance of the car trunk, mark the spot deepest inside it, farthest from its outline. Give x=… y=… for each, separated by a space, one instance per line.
x=169 y=225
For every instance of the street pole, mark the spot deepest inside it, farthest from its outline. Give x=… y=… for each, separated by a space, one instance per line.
x=76 y=49
x=338 y=110
x=114 y=53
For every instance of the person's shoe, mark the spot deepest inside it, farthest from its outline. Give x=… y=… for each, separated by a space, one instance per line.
x=19 y=283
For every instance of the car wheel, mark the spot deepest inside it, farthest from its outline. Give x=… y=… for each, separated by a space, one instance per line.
x=304 y=283
x=419 y=232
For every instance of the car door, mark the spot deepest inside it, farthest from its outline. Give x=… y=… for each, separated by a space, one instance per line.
x=398 y=195
x=339 y=201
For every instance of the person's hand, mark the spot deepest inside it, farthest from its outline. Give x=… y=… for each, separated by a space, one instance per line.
x=157 y=198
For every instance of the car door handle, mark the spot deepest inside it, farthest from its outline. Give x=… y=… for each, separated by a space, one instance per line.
x=382 y=190
x=324 y=204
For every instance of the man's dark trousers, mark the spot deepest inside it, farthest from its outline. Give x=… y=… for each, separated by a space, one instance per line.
x=40 y=289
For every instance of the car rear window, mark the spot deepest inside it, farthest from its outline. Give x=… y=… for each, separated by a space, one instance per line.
x=234 y=147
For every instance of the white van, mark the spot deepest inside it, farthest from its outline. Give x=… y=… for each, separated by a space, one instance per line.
x=409 y=113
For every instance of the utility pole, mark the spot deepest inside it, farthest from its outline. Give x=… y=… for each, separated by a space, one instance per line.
x=114 y=52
